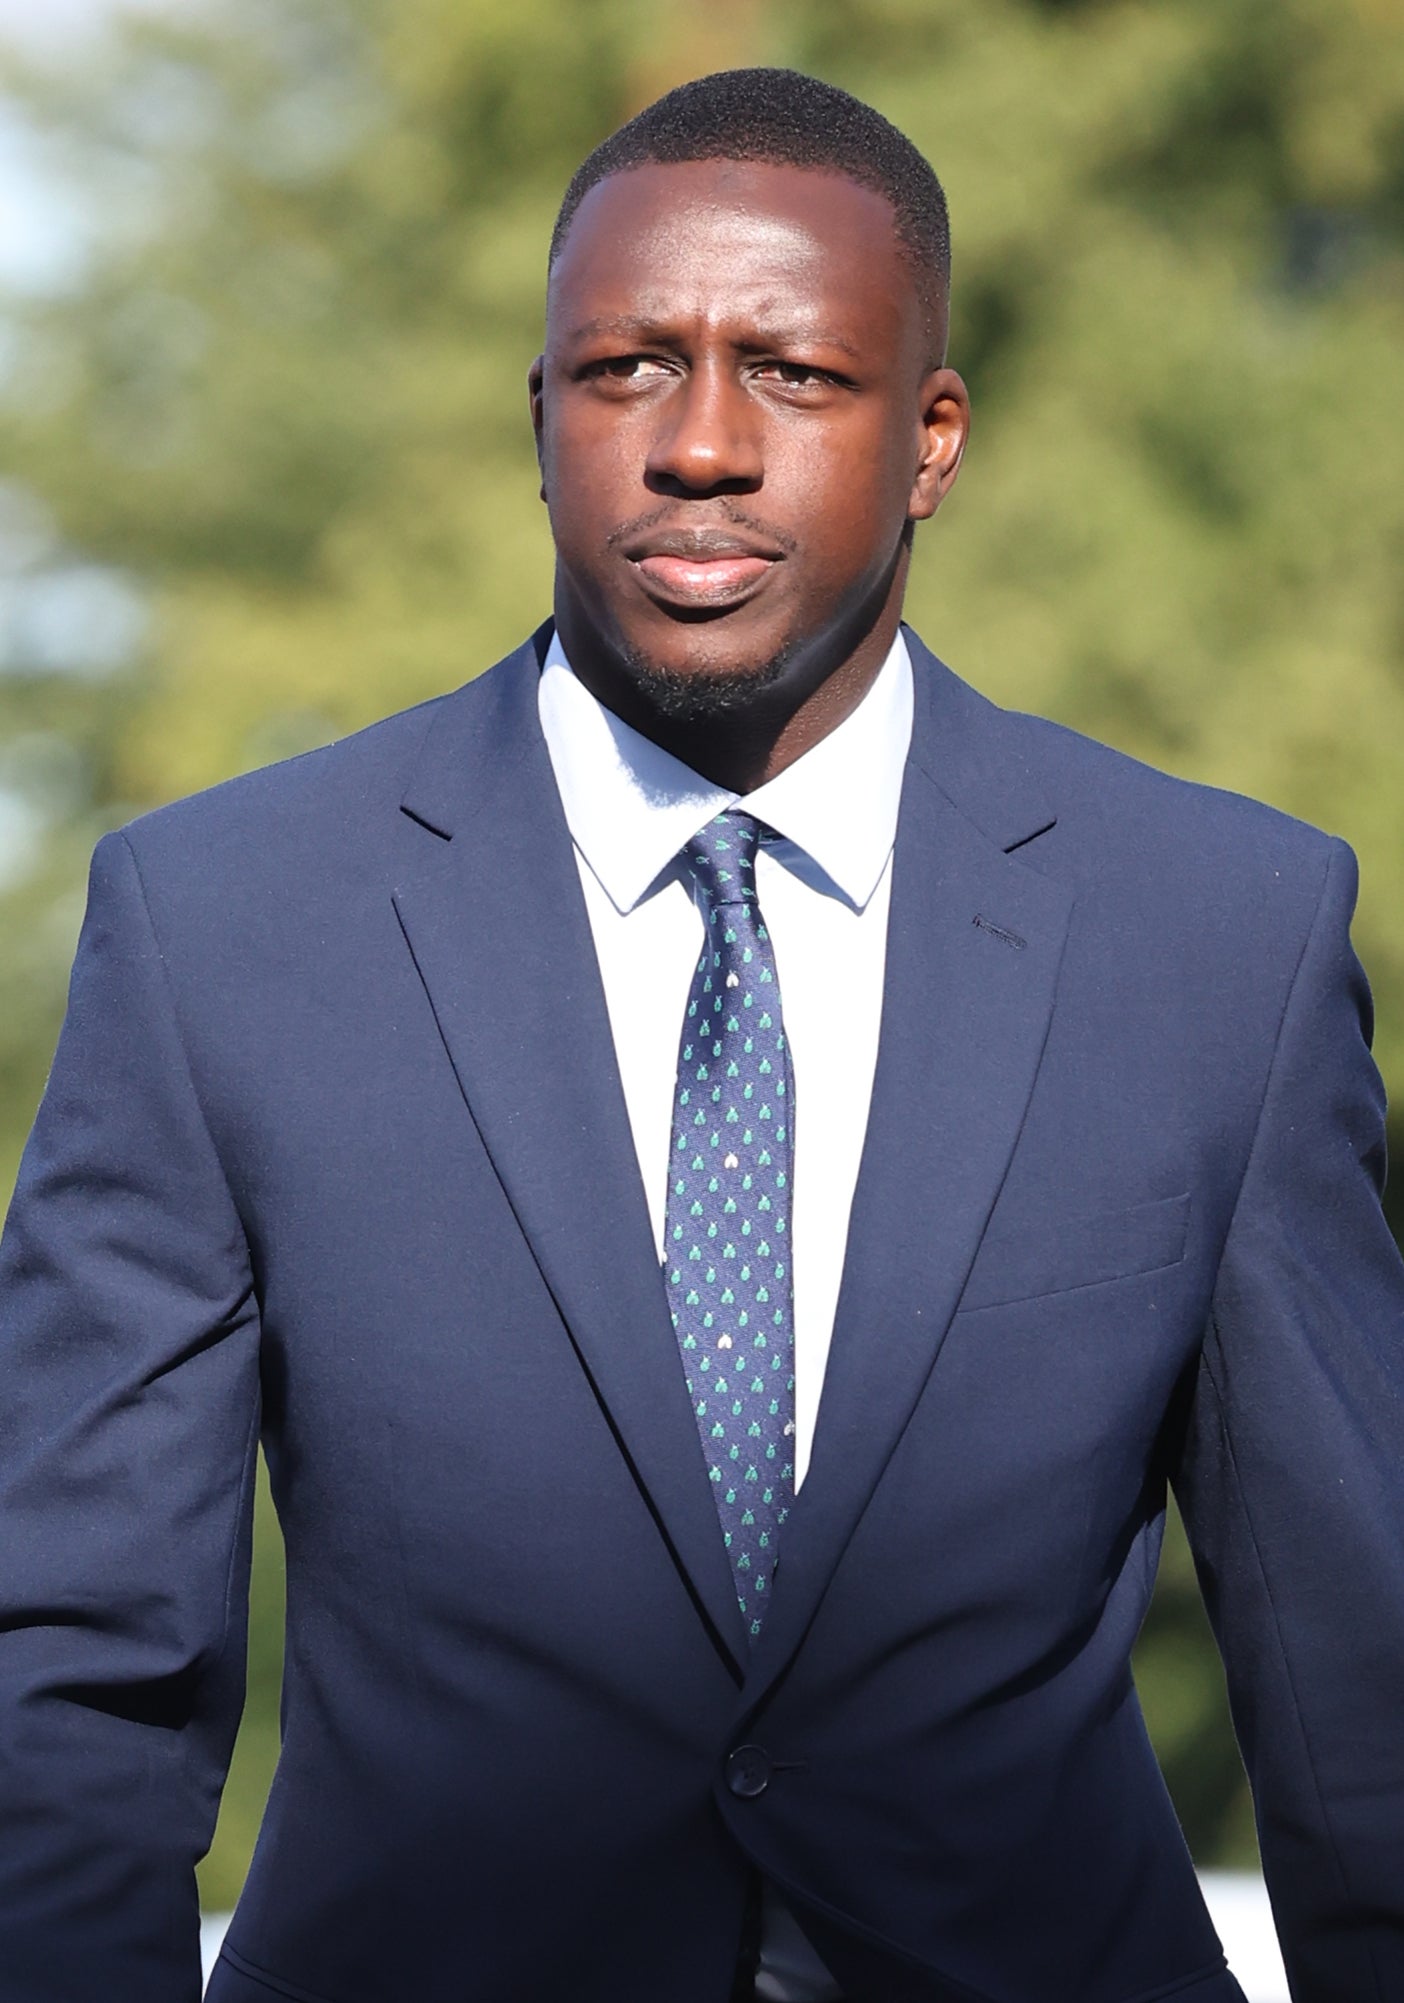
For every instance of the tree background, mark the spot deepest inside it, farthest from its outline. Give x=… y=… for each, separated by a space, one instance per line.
x=267 y=471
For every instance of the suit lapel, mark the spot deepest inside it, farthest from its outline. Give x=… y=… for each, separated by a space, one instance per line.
x=975 y=939
x=498 y=929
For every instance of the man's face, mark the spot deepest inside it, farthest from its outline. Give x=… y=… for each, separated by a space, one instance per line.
x=738 y=412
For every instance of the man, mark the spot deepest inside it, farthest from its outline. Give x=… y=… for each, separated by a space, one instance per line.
x=729 y=1173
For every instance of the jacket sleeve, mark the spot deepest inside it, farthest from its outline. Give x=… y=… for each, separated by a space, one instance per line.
x=128 y=1426
x=1292 y=1483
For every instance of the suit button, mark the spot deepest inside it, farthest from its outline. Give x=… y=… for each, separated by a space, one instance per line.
x=748 y=1771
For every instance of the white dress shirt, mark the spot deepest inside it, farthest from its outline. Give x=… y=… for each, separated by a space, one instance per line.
x=823 y=888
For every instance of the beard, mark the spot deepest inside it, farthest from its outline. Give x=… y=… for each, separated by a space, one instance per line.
x=701 y=694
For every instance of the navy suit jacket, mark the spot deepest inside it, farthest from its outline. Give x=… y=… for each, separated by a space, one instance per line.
x=335 y=1149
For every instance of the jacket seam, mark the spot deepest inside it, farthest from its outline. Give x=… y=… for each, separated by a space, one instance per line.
x=1215 y=1349
x=266 y=1979
x=251 y=1436
x=1205 y=1973
x=848 y=1924
x=1307 y=937
x=1281 y=1646
x=180 y=1041
x=1175 y=1987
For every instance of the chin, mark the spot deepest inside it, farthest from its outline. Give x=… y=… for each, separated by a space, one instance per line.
x=701 y=691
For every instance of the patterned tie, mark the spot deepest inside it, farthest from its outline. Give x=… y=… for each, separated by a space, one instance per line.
x=727 y=1243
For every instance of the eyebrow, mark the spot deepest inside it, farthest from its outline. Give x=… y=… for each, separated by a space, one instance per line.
x=644 y=328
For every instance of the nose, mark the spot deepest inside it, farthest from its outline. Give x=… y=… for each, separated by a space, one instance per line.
x=708 y=438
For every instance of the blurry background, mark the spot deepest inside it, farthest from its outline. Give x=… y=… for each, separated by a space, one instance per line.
x=270 y=279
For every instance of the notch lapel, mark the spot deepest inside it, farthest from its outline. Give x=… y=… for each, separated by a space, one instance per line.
x=975 y=940
x=497 y=925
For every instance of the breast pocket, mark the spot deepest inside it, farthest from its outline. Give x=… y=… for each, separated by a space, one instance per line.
x=1054 y=1255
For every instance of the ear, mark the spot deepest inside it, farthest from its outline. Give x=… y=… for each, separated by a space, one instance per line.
x=943 y=425
x=536 y=376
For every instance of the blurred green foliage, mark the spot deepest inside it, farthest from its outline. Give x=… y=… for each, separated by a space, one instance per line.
x=275 y=430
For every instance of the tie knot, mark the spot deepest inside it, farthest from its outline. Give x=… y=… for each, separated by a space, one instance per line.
x=722 y=858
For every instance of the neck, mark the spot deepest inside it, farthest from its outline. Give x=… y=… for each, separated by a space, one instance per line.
x=754 y=736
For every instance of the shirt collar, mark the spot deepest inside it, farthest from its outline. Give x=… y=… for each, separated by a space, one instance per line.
x=631 y=806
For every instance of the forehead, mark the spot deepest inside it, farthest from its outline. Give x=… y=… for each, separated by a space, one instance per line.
x=720 y=238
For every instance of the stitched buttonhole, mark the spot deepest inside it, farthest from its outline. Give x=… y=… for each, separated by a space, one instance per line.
x=998 y=932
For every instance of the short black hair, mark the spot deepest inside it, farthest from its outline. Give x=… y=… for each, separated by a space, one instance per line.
x=786 y=119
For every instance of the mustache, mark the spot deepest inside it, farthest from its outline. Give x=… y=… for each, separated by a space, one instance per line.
x=687 y=536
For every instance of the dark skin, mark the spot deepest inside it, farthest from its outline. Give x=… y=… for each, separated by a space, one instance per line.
x=740 y=412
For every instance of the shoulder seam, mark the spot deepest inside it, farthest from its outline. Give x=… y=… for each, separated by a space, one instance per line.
x=122 y=836
x=1336 y=848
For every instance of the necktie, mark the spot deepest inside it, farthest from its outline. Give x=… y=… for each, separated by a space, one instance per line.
x=727 y=1236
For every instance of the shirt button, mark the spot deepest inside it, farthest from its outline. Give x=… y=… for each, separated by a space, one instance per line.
x=748 y=1771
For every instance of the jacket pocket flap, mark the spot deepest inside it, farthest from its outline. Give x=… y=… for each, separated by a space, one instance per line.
x=1057 y=1254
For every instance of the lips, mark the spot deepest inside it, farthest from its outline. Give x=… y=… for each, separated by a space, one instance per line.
x=711 y=578
x=701 y=566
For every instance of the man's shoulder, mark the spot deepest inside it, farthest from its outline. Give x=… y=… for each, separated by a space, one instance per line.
x=1105 y=810
x=340 y=802
x=323 y=792
x=1221 y=880
x=1102 y=789
x=1192 y=890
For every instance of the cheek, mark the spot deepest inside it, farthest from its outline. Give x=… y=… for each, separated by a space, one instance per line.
x=590 y=478
x=854 y=492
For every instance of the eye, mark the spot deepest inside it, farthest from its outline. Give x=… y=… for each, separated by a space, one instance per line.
x=627 y=368
x=804 y=376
